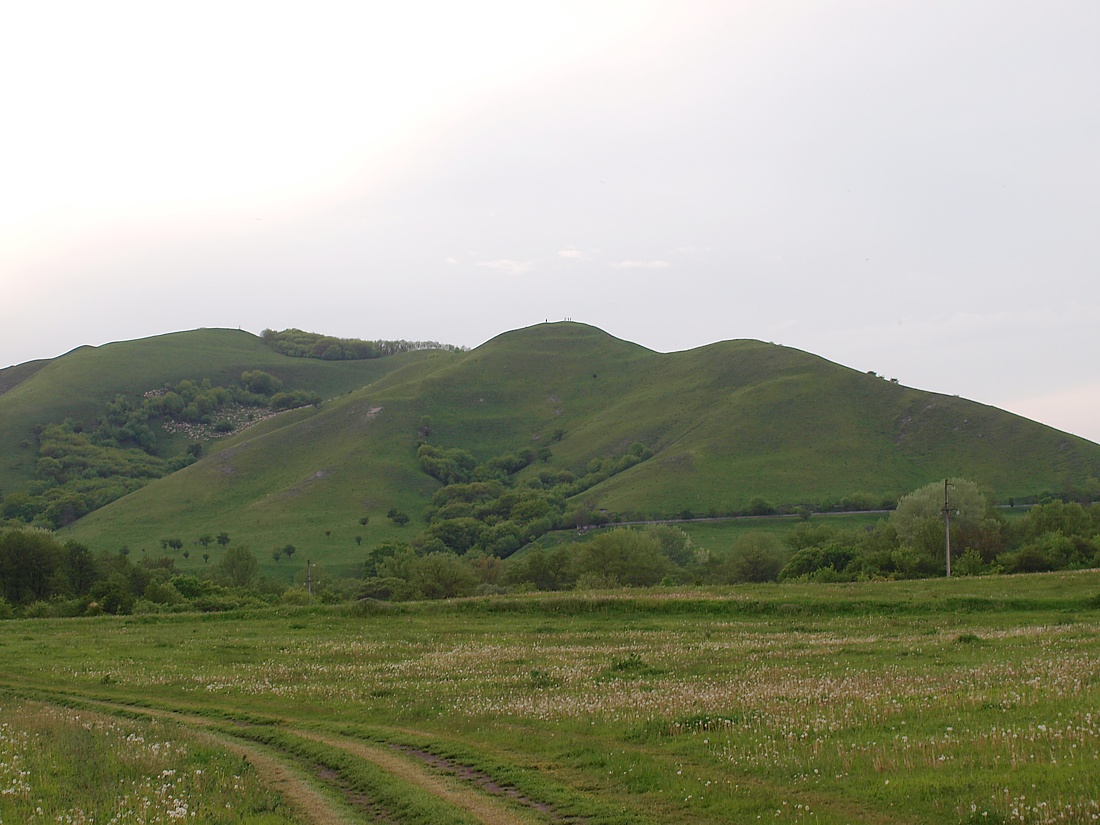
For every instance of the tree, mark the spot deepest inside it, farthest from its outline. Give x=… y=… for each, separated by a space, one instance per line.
x=760 y=506
x=624 y=556
x=237 y=568
x=755 y=559
x=443 y=576
x=290 y=550
x=919 y=519
x=32 y=565
x=459 y=534
x=175 y=544
x=364 y=520
x=675 y=543
x=260 y=382
x=205 y=540
x=223 y=539
x=81 y=567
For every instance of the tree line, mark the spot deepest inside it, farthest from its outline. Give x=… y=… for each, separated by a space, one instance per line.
x=909 y=543
x=41 y=576
x=299 y=344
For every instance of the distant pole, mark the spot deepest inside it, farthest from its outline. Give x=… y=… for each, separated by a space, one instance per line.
x=947 y=526
x=309 y=580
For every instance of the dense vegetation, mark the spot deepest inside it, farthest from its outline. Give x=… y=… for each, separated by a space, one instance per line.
x=483 y=513
x=299 y=344
x=42 y=577
x=80 y=469
x=487 y=535
x=909 y=544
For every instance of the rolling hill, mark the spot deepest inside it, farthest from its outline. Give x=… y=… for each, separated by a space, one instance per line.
x=723 y=423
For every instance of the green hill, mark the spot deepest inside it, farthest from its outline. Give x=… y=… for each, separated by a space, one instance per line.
x=723 y=424
x=78 y=385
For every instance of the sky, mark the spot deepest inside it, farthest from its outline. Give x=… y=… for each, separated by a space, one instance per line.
x=906 y=187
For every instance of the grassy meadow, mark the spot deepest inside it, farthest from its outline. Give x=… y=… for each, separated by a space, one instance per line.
x=965 y=700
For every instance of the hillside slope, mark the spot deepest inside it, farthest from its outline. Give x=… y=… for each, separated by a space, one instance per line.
x=78 y=385
x=725 y=423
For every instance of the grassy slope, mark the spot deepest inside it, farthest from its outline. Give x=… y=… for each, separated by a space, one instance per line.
x=777 y=422
x=77 y=385
x=725 y=422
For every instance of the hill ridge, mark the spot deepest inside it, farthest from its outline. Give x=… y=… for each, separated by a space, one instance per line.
x=723 y=423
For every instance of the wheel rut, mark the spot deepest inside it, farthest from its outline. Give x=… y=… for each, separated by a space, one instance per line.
x=460 y=786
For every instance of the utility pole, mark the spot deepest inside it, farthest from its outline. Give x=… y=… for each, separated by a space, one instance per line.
x=309 y=580
x=947 y=526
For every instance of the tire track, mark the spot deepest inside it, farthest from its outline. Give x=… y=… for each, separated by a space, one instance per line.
x=488 y=806
x=482 y=805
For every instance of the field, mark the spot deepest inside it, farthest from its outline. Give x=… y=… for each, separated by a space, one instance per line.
x=970 y=700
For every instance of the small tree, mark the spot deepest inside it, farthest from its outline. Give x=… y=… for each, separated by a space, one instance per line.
x=364 y=520
x=290 y=550
x=358 y=540
x=205 y=539
x=223 y=539
x=237 y=568
x=760 y=506
x=175 y=544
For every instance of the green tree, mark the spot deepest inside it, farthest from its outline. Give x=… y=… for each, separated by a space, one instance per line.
x=458 y=534
x=223 y=539
x=675 y=543
x=237 y=568
x=755 y=558
x=32 y=565
x=919 y=520
x=760 y=506
x=623 y=556
x=443 y=576
x=260 y=382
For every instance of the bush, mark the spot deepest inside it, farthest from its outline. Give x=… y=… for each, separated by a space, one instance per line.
x=629 y=557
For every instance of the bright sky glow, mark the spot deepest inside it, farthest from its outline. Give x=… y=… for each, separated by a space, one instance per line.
x=906 y=187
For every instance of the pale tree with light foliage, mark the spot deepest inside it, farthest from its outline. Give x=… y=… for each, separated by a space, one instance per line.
x=975 y=523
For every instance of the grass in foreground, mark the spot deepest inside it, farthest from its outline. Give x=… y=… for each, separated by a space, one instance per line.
x=933 y=701
x=58 y=764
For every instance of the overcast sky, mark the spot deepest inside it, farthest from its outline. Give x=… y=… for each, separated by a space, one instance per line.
x=906 y=187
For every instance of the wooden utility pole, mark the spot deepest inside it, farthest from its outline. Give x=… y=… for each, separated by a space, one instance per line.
x=309 y=579
x=947 y=526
